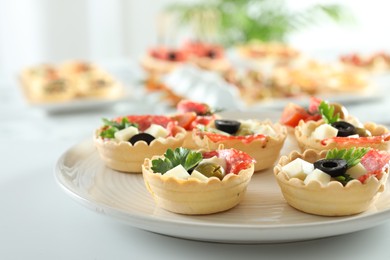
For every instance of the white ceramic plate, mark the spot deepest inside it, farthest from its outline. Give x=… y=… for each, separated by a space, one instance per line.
x=262 y=217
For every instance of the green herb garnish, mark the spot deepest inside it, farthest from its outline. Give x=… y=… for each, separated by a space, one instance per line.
x=187 y=158
x=113 y=127
x=343 y=179
x=327 y=112
x=352 y=155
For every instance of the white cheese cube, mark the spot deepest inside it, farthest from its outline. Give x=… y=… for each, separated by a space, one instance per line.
x=324 y=131
x=353 y=136
x=356 y=171
x=298 y=169
x=317 y=175
x=197 y=175
x=126 y=134
x=248 y=124
x=265 y=130
x=157 y=131
x=178 y=172
x=354 y=121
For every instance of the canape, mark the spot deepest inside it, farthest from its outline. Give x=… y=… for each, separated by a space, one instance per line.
x=192 y=182
x=124 y=142
x=262 y=140
x=335 y=182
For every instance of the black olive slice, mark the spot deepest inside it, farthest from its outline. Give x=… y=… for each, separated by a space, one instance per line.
x=211 y=54
x=333 y=167
x=344 y=128
x=148 y=138
x=172 y=56
x=227 y=126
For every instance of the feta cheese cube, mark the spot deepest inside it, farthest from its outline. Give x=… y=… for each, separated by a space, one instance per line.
x=354 y=121
x=265 y=130
x=157 y=131
x=126 y=134
x=356 y=171
x=197 y=175
x=178 y=172
x=317 y=175
x=298 y=169
x=324 y=131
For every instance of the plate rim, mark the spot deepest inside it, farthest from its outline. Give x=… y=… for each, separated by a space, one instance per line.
x=369 y=219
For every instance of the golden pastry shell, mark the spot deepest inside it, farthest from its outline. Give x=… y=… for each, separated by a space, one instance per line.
x=195 y=197
x=125 y=157
x=264 y=151
x=333 y=199
x=304 y=129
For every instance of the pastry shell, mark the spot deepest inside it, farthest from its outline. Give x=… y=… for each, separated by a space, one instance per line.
x=304 y=130
x=333 y=199
x=264 y=151
x=125 y=157
x=194 y=197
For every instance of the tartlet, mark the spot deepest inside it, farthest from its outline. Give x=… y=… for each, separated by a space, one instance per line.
x=262 y=145
x=43 y=84
x=193 y=196
x=207 y=56
x=160 y=60
x=379 y=139
x=332 y=198
x=90 y=80
x=122 y=155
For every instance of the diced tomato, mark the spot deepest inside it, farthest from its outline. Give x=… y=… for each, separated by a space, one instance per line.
x=375 y=162
x=246 y=139
x=185 y=120
x=202 y=120
x=144 y=121
x=235 y=160
x=314 y=104
x=293 y=113
x=185 y=106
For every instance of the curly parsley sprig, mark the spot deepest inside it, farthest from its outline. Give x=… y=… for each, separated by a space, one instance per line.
x=112 y=127
x=352 y=155
x=187 y=158
x=327 y=112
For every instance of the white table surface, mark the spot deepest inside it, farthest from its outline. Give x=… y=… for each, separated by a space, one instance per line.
x=40 y=221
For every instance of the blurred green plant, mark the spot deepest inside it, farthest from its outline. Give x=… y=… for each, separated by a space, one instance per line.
x=234 y=21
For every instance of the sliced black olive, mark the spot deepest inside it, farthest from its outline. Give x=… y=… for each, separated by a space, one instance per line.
x=172 y=56
x=211 y=54
x=333 y=167
x=148 y=138
x=344 y=128
x=227 y=126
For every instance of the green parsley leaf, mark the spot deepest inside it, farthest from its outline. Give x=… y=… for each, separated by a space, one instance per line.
x=352 y=155
x=112 y=127
x=327 y=112
x=187 y=158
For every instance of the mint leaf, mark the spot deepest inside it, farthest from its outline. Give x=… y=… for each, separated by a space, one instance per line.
x=180 y=156
x=327 y=112
x=352 y=155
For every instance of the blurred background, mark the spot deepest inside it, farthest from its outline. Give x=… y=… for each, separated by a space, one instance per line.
x=34 y=31
x=122 y=32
